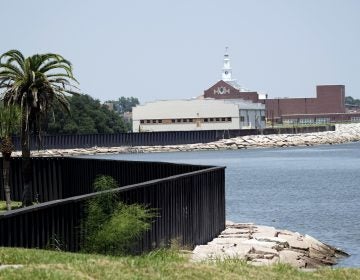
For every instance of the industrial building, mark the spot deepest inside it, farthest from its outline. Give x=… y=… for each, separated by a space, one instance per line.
x=198 y=114
x=228 y=105
x=327 y=107
x=237 y=109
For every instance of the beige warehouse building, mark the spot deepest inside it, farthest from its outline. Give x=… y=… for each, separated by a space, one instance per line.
x=198 y=114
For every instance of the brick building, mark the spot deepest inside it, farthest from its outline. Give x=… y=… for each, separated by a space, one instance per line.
x=328 y=106
x=225 y=90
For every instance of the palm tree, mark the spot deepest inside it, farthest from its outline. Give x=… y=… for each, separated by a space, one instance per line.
x=36 y=84
x=9 y=121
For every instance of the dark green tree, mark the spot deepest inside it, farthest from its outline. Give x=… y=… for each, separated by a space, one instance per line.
x=35 y=84
x=352 y=101
x=125 y=104
x=88 y=115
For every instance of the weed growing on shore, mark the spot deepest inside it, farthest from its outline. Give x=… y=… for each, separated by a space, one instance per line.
x=112 y=227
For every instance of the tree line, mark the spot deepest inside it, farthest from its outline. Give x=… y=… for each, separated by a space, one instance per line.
x=352 y=101
x=87 y=115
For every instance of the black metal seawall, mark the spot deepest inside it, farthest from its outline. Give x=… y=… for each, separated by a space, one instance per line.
x=72 y=141
x=190 y=201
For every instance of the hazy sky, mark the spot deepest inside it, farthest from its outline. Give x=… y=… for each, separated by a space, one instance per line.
x=174 y=49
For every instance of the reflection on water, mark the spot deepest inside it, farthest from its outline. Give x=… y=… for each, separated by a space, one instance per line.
x=313 y=190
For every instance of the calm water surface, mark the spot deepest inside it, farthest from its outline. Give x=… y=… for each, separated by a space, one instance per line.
x=312 y=190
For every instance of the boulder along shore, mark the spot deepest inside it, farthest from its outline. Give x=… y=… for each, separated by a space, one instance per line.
x=343 y=133
x=264 y=245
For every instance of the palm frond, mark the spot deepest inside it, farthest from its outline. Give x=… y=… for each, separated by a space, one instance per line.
x=58 y=66
x=12 y=68
x=14 y=54
x=43 y=68
x=35 y=84
x=62 y=75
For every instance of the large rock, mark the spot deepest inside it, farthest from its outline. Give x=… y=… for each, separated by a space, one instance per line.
x=292 y=257
x=263 y=245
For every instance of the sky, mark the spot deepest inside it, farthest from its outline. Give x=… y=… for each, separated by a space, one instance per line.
x=174 y=49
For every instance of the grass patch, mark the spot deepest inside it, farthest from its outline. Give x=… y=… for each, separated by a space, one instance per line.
x=14 y=205
x=161 y=264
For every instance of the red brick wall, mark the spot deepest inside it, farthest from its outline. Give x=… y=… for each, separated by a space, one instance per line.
x=330 y=99
x=230 y=93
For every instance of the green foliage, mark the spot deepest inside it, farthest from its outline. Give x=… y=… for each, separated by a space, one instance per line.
x=36 y=84
x=119 y=233
x=125 y=104
x=14 y=205
x=112 y=227
x=87 y=116
x=9 y=120
x=352 y=101
x=9 y=125
x=107 y=201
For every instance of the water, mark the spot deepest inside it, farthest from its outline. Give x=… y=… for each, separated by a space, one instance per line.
x=312 y=190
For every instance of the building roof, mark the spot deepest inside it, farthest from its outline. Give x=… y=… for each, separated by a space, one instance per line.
x=236 y=85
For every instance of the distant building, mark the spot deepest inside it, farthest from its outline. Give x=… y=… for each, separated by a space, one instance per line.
x=198 y=114
x=238 y=109
x=228 y=88
x=228 y=105
x=328 y=106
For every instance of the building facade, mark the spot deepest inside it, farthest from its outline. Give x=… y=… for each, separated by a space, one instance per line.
x=198 y=114
x=327 y=107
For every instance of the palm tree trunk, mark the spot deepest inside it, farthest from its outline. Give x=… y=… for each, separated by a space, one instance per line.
x=6 y=148
x=26 y=163
x=6 y=177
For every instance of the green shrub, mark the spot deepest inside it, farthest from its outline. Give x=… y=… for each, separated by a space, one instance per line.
x=112 y=227
x=108 y=201
x=118 y=234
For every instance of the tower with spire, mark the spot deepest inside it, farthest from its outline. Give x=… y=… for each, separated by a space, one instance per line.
x=228 y=87
x=226 y=70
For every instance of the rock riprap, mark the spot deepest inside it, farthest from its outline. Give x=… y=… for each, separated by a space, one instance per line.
x=264 y=245
x=343 y=133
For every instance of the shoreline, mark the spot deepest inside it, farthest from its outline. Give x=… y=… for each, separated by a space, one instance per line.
x=344 y=133
x=265 y=245
x=257 y=245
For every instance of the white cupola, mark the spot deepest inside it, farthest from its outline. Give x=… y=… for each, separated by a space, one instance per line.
x=226 y=70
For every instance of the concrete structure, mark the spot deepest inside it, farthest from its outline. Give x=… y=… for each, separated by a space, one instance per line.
x=198 y=114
